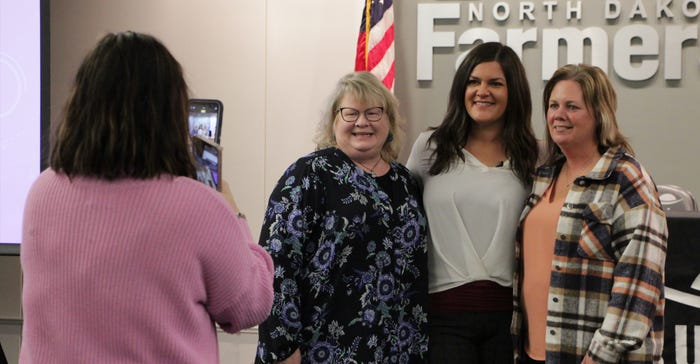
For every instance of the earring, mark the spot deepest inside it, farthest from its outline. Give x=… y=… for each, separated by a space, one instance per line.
x=390 y=138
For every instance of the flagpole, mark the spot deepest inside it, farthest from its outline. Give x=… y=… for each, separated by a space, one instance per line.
x=368 y=26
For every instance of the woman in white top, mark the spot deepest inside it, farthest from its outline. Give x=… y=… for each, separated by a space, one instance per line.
x=476 y=169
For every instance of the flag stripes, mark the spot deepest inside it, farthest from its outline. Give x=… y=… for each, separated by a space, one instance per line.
x=375 y=43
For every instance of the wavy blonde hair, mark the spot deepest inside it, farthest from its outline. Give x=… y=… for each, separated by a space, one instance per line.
x=366 y=88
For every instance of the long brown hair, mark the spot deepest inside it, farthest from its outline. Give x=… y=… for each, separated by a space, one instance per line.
x=127 y=114
x=519 y=139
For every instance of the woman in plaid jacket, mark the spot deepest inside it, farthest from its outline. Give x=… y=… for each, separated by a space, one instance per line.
x=591 y=244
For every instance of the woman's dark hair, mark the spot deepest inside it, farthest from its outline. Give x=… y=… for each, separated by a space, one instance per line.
x=451 y=135
x=127 y=114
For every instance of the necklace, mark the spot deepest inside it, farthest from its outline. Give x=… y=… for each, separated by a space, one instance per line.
x=569 y=181
x=370 y=170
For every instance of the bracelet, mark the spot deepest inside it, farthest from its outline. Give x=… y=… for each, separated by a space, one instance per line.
x=240 y=215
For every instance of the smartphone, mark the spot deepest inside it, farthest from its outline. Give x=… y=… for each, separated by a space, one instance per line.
x=207 y=155
x=205 y=117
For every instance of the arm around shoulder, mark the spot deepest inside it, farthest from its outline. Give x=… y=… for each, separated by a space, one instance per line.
x=420 y=158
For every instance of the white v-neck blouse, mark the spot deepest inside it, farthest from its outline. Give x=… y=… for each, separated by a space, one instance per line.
x=472 y=212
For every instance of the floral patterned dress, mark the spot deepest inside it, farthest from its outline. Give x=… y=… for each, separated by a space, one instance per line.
x=350 y=264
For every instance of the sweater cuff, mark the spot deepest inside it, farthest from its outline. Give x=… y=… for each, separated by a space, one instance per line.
x=605 y=350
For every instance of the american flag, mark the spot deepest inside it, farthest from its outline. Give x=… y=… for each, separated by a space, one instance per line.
x=375 y=44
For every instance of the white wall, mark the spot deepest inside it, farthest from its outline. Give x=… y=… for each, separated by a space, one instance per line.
x=310 y=45
x=272 y=63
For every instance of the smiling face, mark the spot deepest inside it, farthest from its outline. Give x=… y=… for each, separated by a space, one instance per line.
x=486 y=97
x=361 y=140
x=570 y=122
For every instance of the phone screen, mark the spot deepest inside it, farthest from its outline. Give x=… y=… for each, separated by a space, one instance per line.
x=205 y=118
x=208 y=158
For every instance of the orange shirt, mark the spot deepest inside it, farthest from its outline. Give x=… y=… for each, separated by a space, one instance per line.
x=539 y=234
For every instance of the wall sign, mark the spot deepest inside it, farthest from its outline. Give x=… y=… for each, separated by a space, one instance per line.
x=639 y=50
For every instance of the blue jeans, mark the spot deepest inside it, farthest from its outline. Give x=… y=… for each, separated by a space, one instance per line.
x=470 y=337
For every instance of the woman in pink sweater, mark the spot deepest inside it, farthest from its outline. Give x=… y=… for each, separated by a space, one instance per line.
x=126 y=257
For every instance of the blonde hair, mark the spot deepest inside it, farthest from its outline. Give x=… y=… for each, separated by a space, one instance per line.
x=367 y=89
x=599 y=96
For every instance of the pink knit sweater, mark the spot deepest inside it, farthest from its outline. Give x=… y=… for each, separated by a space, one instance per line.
x=135 y=271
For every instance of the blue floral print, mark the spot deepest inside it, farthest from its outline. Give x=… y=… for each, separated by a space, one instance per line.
x=351 y=264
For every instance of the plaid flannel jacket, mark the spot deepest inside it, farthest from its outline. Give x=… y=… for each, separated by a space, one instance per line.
x=607 y=276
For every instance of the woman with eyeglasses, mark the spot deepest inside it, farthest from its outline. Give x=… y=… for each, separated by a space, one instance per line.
x=476 y=168
x=346 y=230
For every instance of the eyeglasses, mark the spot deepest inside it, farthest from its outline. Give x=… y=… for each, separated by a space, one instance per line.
x=351 y=115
